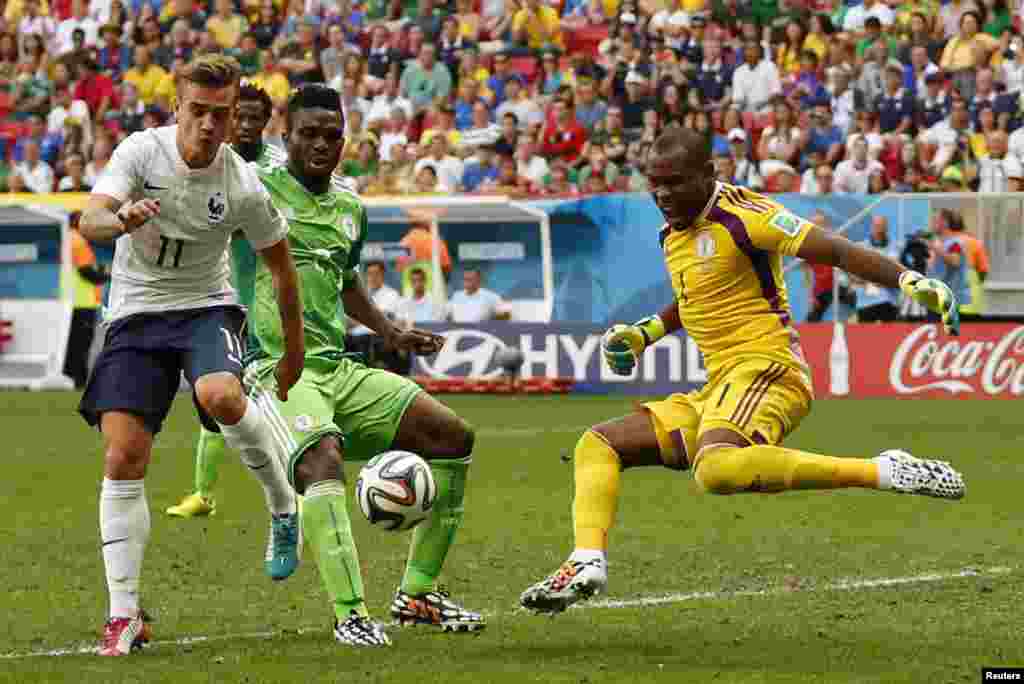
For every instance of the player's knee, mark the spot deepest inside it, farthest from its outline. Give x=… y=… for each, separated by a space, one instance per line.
x=127 y=456
x=717 y=470
x=221 y=396
x=320 y=462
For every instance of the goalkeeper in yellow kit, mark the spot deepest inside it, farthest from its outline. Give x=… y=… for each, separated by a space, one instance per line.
x=723 y=248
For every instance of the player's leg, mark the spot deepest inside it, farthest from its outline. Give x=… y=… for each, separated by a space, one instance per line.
x=315 y=468
x=739 y=445
x=213 y=365
x=662 y=433
x=128 y=396
x=431 y=429
x=210 y=449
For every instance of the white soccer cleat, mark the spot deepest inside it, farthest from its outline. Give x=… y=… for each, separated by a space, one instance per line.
x=573 y=582
x=358 y=630
x=910 y=475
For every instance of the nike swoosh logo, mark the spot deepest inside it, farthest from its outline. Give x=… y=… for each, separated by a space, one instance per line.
x=114 y=541
x=148 y=186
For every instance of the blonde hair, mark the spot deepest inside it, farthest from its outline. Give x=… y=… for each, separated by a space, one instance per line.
x=211 y=71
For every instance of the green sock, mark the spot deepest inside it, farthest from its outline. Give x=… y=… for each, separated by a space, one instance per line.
x=434 y=536
x=209 y=454
x=326 y=528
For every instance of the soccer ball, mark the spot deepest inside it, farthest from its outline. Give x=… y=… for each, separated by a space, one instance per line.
x=396 y=490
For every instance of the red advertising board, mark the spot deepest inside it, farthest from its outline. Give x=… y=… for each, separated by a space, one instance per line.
x=905 y=360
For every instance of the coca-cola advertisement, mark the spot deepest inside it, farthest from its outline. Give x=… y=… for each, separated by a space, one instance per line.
x=985 y=362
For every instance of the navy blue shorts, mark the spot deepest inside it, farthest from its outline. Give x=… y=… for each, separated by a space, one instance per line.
x=139 y=369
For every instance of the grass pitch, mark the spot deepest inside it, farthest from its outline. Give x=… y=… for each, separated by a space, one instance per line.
x=853 y=586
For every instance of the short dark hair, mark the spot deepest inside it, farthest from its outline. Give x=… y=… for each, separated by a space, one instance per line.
x=250 y=92
x=414 y=271
x=376 y=262
x=678 y=140
x=314 y=96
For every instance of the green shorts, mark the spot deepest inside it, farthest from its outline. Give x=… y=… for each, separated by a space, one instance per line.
x=363 y=406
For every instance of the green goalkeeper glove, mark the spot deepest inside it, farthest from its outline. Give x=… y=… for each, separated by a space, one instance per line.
x=622 y=345
x=935 y=295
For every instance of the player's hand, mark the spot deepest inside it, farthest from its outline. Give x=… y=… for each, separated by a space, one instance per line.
x=934 y=295
x=287 y=373
x=421 y=342
x=622 y=345
x=135 y=214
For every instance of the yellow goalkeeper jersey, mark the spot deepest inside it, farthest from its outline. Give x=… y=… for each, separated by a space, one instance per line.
x=726 y=270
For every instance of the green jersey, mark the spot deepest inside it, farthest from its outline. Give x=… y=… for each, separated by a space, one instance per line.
x=326 y=235
x=243 y=258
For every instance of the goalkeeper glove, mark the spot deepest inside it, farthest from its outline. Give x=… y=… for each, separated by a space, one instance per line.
x=622 y=345
x=935 y=295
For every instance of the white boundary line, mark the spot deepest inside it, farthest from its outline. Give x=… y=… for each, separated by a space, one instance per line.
x=643 y=601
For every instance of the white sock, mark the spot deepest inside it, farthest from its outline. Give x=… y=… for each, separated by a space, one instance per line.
x=884 y=472
x=253 y=438
x=585 y=555
x=124 y=531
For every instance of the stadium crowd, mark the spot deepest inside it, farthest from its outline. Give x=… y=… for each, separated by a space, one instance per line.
x=522 y=97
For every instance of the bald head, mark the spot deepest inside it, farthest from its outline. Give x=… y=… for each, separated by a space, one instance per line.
x=681 y=174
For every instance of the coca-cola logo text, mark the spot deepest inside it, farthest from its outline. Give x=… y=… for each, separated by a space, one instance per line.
x=921 y=363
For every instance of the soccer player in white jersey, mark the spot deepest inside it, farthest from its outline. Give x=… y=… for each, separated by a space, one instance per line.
x=172 y=197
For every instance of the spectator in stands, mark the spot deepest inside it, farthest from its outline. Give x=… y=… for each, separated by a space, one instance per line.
x=451 y=44
x=266 y=26
x=227 y=26
x=474 y=303
x=74 y=181
x=530 y=165
x=895 y=106
x=63 y=107
x=564 y=139
x=37 y=174
x=419 y=306
x=425 y=80
x=300 y=57
x=781 y=143
x=333 y=57
x=96 y=90
x=853 y=175
x=383 y=105
x=1011 y=70
x=181 y=45
x=393 y=133
x=985 y=94
x=444 y=125
x=114 y=58
x=871 y=82
x=426 y=180
x=519 y=102
x=468 y=94
x=823 y=138
x=365 y=165
x=496 y=18
x=943 y=141
x=480 y=170
x=36 y=132
x=920 y=35
x=844 y=101
x=102 y=148
x=951 y=17
x=817 y=180
x=918 y=69
x=537 y=26
x=934 y=103
x=966 y=52
x=755 y=83
x=948 y=261
x=590 y=109
x=35 y=22
x=746 y=173
x=508 y=181
x=509 y=138
x=714 y=78
x=725 y=169
x=15 y=183
x=79 y=20
x=999 y=171
x=448 y=168
x=986 y=124
x=482 y=130
x=145 y=75
x=637 y=101
x=598 y=164
x=558 y=184
x=857 y=17
x=30 y=93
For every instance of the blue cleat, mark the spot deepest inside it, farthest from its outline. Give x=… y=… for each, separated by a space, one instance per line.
x=282 y=555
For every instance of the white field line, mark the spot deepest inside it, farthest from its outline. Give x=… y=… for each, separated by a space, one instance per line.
x=840 y=585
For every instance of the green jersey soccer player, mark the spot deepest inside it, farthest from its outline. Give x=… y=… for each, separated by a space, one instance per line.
x=339 y=406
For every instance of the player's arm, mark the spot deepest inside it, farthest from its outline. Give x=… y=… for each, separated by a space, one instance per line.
x=360 y=307
x=106 y=218
x=822 y=247
x=279 y=262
